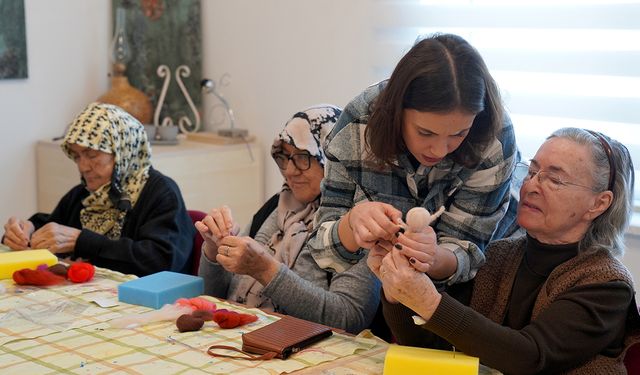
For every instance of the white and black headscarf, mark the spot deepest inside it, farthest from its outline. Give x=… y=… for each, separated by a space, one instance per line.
x=306 y=130
x=107 y=128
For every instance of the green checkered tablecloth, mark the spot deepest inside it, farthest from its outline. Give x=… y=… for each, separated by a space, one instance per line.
x=61 y=330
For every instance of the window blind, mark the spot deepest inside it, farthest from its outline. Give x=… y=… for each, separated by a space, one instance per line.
x=558 y=62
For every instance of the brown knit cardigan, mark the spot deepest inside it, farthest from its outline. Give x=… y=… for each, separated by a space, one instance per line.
x=503 y=260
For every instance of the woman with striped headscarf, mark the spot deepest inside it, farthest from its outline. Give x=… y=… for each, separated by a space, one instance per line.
x=268 y=265
x=124 y=215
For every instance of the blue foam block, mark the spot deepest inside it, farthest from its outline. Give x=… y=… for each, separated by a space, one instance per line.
x=160 y=288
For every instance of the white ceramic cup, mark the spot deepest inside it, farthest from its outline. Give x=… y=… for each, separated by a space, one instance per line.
x=151 y=132
x=167 y=133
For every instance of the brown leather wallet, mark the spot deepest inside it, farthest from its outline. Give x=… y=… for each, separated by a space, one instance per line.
x=279 y=339
x=286 y=336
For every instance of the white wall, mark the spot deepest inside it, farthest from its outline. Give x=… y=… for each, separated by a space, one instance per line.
x=632 y=259
x=282 y=55
x=285 y=55
x=67 y=43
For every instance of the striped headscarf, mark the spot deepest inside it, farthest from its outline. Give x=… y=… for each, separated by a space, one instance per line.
x=107 y=128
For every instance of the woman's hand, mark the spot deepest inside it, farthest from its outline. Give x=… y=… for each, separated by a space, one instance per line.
x=373 y=221
x=374 y=261
x=376 y=254
x=17 y=233
x=419 y=248
x=424 y=254
x=59 y=239
x=246 y=256
x=214 y=227
x=403 y=283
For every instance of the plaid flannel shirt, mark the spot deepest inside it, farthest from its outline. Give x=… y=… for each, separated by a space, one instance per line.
x=480 y=204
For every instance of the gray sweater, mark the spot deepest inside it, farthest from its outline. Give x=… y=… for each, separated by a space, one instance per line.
x=346 y=300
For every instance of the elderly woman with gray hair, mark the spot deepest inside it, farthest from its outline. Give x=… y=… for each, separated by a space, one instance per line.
x=268 y=265
x=124 y=215
x=555 y=300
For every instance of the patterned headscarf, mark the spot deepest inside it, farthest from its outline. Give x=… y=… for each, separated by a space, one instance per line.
x=107 y=128
x=306 y=130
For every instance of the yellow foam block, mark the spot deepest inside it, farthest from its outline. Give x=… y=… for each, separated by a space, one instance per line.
x=403 y=360
x=17 y=260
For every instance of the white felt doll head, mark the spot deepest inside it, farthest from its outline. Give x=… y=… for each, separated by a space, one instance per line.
x=418 y=218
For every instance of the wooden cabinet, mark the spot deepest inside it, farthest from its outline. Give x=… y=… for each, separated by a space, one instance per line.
x=208 y=175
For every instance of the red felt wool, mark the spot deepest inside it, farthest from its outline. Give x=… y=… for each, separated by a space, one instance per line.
x=80 y=272
x=247 y=318
x=232 y=319
x=39 y=277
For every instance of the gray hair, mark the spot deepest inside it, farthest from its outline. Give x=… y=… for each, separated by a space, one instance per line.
x=607 y=230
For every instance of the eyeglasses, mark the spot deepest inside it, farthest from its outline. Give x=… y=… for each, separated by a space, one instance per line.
x=301 y=161
x=549 y=180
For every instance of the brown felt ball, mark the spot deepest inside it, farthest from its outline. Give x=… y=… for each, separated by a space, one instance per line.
x=188 y=323
x=59 y=269
x=203 y=314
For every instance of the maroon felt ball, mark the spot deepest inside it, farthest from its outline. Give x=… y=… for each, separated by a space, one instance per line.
x=203 y=314
x=188 y=323
x=59 y=269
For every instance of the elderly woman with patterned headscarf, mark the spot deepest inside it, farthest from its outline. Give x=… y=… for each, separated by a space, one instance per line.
x=268 y=265
x=124 y=215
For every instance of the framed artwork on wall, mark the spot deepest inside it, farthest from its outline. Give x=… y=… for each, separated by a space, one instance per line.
x=164 y=32
x=13 y=40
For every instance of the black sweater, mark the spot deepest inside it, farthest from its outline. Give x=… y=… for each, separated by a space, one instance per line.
x=157 y=234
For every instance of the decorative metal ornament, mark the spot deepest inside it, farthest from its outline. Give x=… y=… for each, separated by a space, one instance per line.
x=184 y=123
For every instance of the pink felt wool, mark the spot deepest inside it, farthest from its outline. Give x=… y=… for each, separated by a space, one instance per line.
x=197 y=303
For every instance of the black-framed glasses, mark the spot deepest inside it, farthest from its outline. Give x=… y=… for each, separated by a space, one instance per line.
x=548 y=179
x=302 y=161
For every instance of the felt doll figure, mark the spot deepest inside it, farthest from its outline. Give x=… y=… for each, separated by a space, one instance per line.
x=418 y=218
